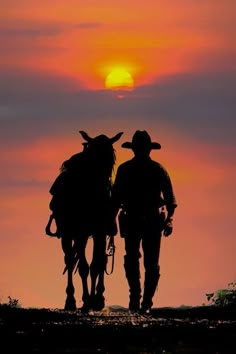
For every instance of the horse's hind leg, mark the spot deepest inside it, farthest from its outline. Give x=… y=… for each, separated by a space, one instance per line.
x=97 y=270
x=70 y=303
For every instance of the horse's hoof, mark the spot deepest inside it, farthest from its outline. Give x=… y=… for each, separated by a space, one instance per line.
x=70 y=305
x=98 y=302
x=85 y=308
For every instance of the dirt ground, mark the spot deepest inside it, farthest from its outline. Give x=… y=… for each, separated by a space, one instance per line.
x=205 y=329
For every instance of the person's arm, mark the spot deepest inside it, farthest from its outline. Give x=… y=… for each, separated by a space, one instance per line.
x=170 y=202
x=116 y=193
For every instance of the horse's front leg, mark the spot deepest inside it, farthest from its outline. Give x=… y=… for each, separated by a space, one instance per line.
x=97 y=270
x=83 y=269
x=67 y=246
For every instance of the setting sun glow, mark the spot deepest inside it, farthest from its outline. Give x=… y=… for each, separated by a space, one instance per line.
x=119 y=78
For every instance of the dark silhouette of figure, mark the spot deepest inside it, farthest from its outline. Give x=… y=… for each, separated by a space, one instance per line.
x=143 y=191
x=81 y=206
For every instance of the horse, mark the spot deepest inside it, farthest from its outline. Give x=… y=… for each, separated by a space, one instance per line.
x=81 y=207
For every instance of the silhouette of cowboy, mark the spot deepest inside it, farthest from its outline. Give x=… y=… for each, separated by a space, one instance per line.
x=143 y=191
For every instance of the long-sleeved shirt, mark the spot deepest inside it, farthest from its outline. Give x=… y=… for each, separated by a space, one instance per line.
x=141 y=187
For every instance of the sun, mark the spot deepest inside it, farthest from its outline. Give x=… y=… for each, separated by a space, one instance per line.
x=119 y=78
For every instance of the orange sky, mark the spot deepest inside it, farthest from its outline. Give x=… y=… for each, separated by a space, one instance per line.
x=83 y=41
x=55 y=56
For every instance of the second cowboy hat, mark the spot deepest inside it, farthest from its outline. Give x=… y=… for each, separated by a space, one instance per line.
x=141 y=140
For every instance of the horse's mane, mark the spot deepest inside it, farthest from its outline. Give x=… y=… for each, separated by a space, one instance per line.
x=98 y=158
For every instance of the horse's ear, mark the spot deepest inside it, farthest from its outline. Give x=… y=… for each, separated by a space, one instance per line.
x=116 y=137
x=85 y=136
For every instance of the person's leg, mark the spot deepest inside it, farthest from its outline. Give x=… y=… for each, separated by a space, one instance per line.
x=151 y=250
x=132 y=271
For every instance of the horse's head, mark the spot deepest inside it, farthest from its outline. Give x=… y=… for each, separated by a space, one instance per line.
x=100 y=149
x=100 y=140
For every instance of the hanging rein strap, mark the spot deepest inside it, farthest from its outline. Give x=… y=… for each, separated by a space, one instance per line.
x=110 y=252
x=48 y=227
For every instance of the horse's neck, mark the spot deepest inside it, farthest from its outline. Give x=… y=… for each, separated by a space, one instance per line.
x=88 y=171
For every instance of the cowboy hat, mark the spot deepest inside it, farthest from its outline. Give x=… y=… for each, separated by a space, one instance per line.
x=141 y=139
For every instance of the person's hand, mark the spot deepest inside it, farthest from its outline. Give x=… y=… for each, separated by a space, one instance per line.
x=168 y=228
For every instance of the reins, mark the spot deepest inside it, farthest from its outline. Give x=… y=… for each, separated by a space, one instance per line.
x=48 y=227
x=110 y=252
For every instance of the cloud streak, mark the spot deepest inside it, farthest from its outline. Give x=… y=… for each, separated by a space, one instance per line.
x=201 y=105
x=34 y=30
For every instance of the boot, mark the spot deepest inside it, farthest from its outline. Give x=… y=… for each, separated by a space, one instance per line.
x=133 y=277
x=150 y=287
x=134 y=302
